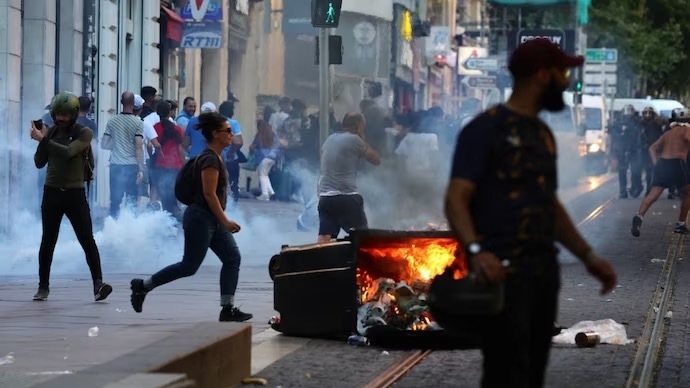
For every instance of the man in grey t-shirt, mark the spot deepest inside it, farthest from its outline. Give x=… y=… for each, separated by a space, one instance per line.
x=340 y=205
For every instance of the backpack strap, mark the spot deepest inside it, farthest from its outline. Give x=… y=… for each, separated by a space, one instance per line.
x=87 y=154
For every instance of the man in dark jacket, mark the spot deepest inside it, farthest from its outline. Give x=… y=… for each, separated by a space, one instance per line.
x=65 y=149
x=650 y=132
x=625 y=135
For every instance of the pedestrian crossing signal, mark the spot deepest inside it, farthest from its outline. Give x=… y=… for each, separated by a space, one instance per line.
x=325 y=13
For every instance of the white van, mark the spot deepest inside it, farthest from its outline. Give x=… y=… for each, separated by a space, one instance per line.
x=591 y=121
x=661 y=107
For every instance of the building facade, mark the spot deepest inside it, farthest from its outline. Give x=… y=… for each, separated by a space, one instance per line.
x=97 y=49
x=213 y=73
x=100 y=49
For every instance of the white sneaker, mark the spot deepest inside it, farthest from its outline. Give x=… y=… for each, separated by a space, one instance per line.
x=263 y=198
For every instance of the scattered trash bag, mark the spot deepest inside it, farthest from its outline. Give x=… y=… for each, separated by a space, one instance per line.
x=610 y=332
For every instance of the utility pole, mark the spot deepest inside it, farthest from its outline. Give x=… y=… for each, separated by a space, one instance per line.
x=325 y=15
x=324 y=83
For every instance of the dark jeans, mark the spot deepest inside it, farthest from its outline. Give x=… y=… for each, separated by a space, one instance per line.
x=41 y=182
x=165 y=185
x=123 y=183
x=517 y=342
x=234 y=179
x=636 y=168
x=202 y=231
x=73 y=204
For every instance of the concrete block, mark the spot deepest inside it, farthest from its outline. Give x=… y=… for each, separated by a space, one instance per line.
x=221 y=364
x=212 y=354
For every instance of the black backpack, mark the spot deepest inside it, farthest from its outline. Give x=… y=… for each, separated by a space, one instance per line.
x=89 y=163
x=186 y=183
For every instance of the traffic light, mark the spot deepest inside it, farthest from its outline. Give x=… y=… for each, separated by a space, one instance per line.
x=576 y=78
x=325 y=13
x=335 y=50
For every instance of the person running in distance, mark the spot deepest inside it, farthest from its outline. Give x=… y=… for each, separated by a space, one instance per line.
x=669 y=155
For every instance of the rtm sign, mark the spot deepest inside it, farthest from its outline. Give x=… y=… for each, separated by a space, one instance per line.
x=208 y=35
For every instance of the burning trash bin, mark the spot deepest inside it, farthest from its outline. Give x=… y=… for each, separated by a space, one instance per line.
x=376 y=281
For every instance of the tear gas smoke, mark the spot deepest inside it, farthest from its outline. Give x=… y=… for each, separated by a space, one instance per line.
x=143 y=243
x=150 y=241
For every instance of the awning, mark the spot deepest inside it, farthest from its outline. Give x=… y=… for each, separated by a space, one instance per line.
x=174 y=24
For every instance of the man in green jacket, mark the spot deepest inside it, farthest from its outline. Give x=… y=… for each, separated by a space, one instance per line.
x=65 y=148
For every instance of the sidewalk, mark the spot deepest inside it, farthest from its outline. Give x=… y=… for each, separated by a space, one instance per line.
x=52 y=336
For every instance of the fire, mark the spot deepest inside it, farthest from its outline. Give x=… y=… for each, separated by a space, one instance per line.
x=413 y=260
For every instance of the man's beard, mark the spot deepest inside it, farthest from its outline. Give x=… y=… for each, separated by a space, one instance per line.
x=552 y=98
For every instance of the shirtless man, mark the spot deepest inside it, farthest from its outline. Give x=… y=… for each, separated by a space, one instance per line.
x=669 y=155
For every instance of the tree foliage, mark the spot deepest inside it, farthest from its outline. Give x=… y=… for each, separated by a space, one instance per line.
x=652 y=36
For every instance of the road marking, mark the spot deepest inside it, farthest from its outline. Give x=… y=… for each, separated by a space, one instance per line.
x=398 y=370
x=595 y=213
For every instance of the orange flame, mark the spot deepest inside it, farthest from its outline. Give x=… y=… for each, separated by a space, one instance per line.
x=413 y=260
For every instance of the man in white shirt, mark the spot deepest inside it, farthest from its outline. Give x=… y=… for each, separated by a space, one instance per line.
x=276 y=120
x=150 y=146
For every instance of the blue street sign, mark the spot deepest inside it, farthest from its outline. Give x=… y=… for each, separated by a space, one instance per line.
x=208 y=35
x=194 y=10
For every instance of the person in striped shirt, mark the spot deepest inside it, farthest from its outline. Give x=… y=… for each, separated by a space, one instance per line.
x=123 y=137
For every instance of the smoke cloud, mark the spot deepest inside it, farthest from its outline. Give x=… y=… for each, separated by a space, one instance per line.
x=144 y=243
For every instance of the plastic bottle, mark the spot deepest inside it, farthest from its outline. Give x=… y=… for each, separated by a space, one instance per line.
x=358 y=340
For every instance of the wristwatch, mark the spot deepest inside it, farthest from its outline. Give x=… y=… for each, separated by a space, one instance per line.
x=473 y=248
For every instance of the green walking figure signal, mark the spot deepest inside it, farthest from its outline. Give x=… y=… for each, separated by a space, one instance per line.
x=325 y=13
x=330 y=13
